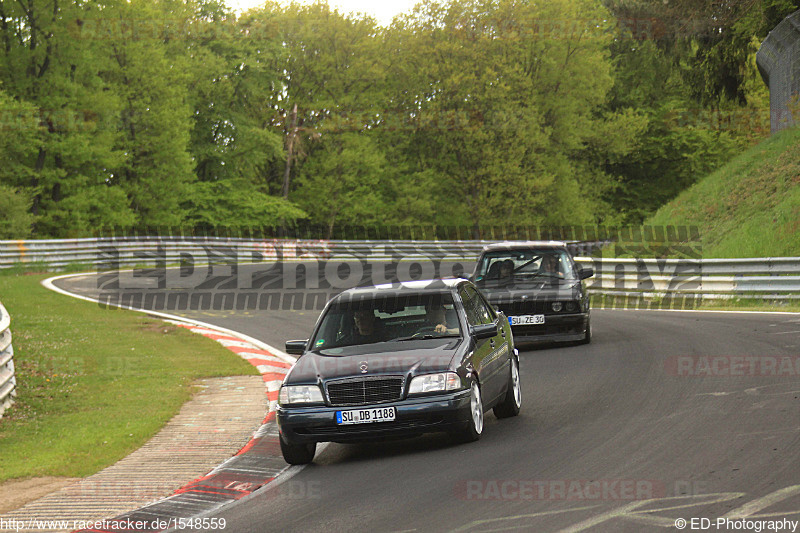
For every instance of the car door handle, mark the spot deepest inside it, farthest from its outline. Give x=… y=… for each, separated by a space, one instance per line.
x=491 y=343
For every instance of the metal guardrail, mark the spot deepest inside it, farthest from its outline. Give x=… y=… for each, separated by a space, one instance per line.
x=8 y=383
x=759 y=278
x=773 y=278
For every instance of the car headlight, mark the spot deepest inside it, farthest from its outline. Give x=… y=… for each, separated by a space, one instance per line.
x=442 y=382
x=572 y=307
x=293 y=394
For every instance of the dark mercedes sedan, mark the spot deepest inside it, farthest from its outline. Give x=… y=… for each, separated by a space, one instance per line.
x=538 y=286
x=396 y=361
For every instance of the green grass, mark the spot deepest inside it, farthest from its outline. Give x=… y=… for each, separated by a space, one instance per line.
x=93 y=385
x=752 y=305
x=748 y=208
x=35 y=267
x=731 y=304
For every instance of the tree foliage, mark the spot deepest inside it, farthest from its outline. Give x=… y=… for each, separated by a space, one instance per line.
x=461 y=112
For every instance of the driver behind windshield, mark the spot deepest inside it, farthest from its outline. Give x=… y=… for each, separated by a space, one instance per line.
x=368 y=328
x=506 y=269
x=436 y=317
x=550 y=266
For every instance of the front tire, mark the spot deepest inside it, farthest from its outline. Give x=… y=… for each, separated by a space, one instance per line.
x=475 y=425
x=513 y=399
x=298 y=454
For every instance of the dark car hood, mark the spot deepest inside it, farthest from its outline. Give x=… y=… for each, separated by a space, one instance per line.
x=397 y=358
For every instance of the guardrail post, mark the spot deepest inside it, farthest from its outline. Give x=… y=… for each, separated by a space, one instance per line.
x=8 y=383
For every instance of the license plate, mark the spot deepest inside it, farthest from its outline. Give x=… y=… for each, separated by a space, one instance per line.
x=365 y=416
x=526 y=320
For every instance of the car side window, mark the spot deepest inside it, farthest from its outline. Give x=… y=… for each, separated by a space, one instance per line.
x=571 y=267
x=483 y=311
x=469 y=308
x=488 y=307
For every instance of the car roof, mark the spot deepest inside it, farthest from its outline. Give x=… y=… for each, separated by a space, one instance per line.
x=427 y=286
x=522 y=245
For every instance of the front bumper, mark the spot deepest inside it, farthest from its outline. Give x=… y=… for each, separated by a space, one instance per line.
x=556 y=328
x=429 y=414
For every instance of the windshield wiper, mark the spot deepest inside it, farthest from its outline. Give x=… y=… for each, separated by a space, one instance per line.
x=541 y=274
x=426 y=336
x=528 y=274
x=526 y=263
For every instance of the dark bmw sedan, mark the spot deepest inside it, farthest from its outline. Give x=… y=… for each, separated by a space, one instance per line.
x=538 y=286
x=396 y=361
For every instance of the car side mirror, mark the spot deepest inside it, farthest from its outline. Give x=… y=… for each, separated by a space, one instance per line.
x=296 y=347
x=484 y=331
x=585 y=273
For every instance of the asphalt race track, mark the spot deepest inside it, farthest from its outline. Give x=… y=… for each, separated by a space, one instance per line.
x=664 y=416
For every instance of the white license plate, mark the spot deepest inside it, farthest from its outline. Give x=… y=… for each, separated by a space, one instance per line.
x=526 y=320
x=365 y=416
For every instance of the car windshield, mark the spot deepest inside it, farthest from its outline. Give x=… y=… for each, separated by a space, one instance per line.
x=529 y=263
x=387 y=318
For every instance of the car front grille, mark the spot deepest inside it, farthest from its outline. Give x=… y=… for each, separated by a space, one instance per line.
x=536 y=307
x=365 y=391
x=525 y=307
x=537 y=331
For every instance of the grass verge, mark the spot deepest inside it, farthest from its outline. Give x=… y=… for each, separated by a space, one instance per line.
x=748 y=208
x=751 y=305
x=93 y=385
x=689 y=304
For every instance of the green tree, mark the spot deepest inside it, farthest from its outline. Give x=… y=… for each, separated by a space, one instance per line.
x=150 y=79
x=695 y=119
x=710 y=42
x=17 y=221
x=232 y=68
x=227 y=203
x=508 y=110
x=341 y=183
x=332 y=72
x=46 y=61
x=19 y=143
